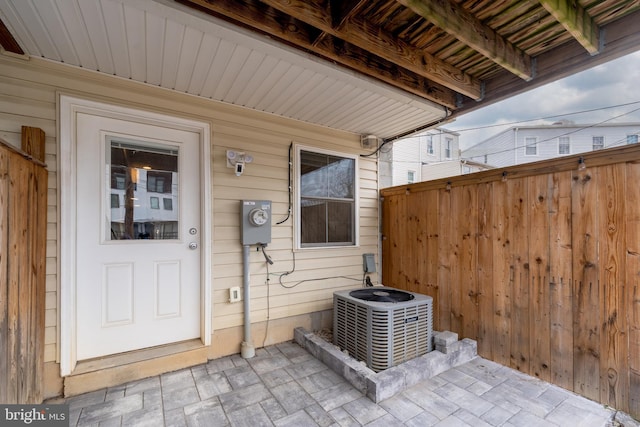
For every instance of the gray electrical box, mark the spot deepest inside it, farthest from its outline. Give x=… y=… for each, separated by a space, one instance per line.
x=368 y=263
x=255 y=222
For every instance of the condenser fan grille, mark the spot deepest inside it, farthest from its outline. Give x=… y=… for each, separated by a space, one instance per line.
x=382 y=334
x=381 y=295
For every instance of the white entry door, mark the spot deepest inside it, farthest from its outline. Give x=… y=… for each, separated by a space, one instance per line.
x=137 y=236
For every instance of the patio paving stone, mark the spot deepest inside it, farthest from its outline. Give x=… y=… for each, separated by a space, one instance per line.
x=284 y=385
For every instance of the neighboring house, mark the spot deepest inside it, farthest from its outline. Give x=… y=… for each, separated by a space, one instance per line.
x=429 y=155
x=525 y=144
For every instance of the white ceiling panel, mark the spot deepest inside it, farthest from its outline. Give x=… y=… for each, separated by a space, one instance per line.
x=77 y=35
x=163 y=43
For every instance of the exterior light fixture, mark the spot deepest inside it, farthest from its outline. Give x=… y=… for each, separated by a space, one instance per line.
x=581 y=164
x=237 y=160
x=504 y=176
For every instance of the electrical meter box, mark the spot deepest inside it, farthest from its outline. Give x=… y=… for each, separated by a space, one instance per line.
x=255 y=222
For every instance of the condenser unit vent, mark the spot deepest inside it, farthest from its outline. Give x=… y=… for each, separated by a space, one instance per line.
x=382 y=326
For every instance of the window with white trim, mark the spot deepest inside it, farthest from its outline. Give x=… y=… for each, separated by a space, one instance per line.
x=429 y=144
x=632 y=139
x=598 y=142
x=531 y=146
x=564 y=145
x=447 y=147
x=411 y=177
x=326 y=198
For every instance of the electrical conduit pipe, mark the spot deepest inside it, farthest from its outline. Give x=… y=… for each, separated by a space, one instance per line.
x=247 y=350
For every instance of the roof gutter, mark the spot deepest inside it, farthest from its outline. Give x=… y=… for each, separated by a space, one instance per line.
x=430 y=125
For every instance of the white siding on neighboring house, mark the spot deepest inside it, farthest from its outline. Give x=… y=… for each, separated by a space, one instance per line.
x=441 y=170
x=30 y=90
x=430 y=155
x=509 y=147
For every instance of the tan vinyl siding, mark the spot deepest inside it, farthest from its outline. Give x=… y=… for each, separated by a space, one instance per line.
x=29 y=90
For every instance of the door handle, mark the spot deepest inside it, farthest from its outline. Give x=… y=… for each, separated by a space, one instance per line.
x=193 y=245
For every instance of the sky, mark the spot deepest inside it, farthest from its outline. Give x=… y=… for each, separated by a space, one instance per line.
x=612 y=84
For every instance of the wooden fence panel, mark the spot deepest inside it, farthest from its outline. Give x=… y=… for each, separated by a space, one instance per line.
x=542 y=269
x=632 y=279
x=614 y=386
x=486 y=330
x=429 y=284
x=502 y=273
x=4 y=279
x=23 y=210
x=539 y=228
x=445 y=250
x=561 y=281
x=586 y=304
x=467 y=204
x=519 y=261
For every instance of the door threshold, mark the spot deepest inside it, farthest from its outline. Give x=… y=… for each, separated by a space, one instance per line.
x=121 y=359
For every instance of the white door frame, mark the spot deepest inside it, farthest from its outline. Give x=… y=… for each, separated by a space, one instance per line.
x=69 y=106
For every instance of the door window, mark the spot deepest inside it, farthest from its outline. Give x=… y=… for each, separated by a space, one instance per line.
x=137 y=173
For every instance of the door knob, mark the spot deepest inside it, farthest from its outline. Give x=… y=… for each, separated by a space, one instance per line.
x=193 y=245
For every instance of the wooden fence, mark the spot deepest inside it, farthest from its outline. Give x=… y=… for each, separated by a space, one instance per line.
x=23 y=211
x=539 y=263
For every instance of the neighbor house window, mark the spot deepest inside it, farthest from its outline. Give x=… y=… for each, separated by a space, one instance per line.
x=632 y=139
x=564 y=145
x=411 y=177
x=158 y=182
x=115 y=200
x=327 y=197
x=531 y=146
x=598 y=142
x=429 y=144
x=167 y=204
x=447 y=148
x=155 y=203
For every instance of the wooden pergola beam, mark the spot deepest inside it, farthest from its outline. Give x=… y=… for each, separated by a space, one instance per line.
x=8 y=42
x=455 y=20
x=377 y=42
x=575 y=19
x=570 y=58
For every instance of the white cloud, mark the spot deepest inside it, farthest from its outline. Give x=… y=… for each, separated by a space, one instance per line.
x=613 y=83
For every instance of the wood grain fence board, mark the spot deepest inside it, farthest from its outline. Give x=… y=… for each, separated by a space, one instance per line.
x=468 y=260
x=560 y=286
x=614 y=381
x=4 y=277
x=539 y=227
x=33 y=142
x=502 y=272
x=416 y=240
x=13 y=276
x=456 y=259
x=40 y=261
x=485 y=241
x=430 y=286
x=632 y=274
x=391 y=240
x=519 y=261
x=586 y=326
x=444 y=259
x=19 y=242
x=388 y=215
